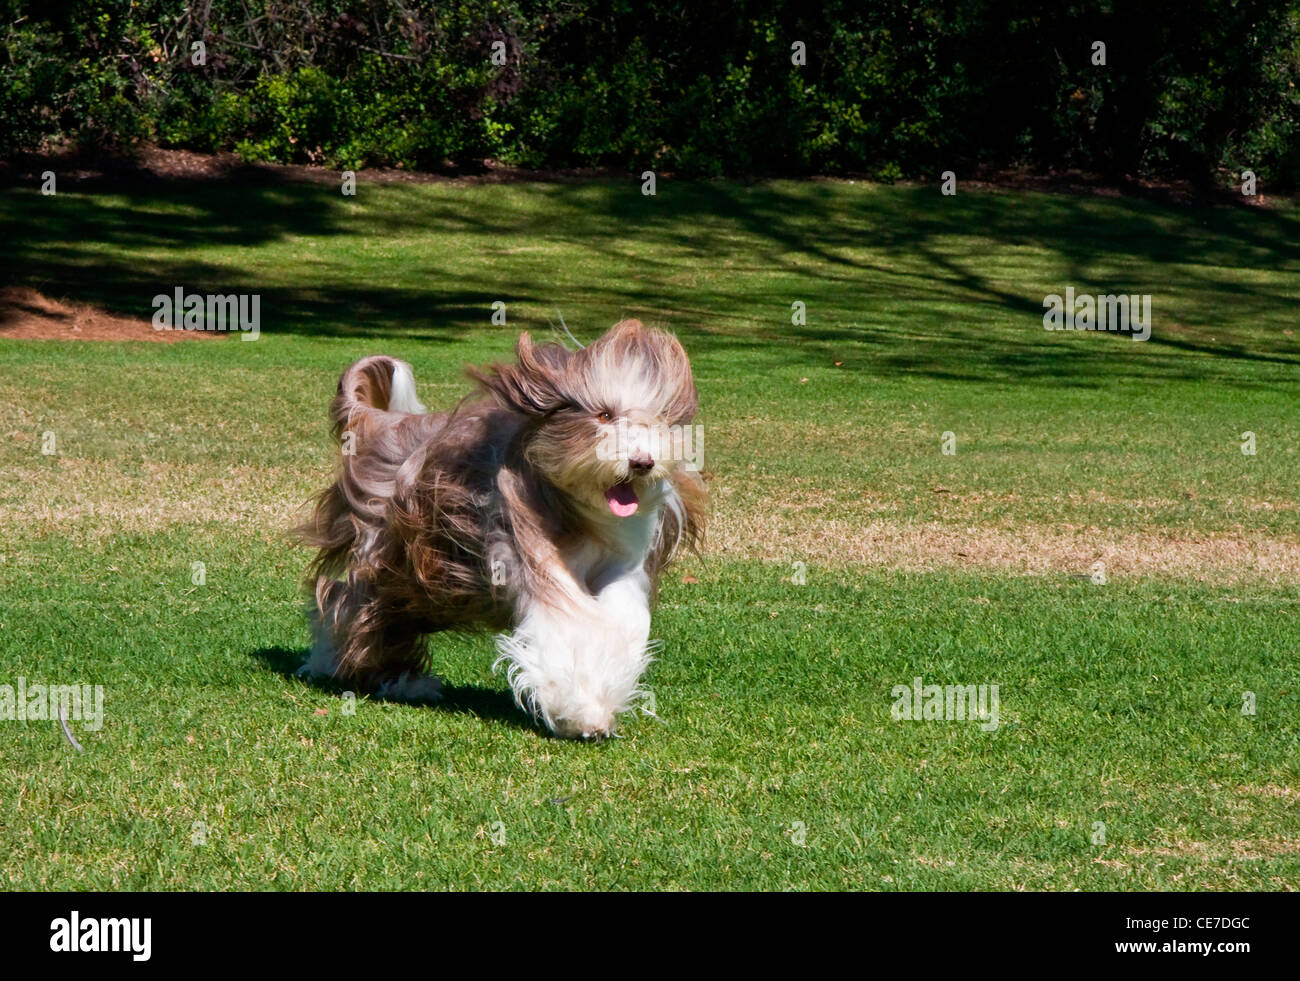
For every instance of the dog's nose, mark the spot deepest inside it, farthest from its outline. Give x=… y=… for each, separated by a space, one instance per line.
x=596 y=727
x=641 y=462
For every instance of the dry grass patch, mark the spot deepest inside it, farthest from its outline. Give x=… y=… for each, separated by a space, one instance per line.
x=1249 y=849
x=778 y=533
x=95 y=499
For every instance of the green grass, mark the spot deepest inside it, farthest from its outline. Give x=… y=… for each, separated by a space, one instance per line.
x=775 y=762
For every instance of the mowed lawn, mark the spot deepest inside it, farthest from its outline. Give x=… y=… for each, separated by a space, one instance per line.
x=1098 y=545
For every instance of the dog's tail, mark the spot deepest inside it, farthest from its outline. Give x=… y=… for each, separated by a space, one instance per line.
x=378 y=423
x=377 y=382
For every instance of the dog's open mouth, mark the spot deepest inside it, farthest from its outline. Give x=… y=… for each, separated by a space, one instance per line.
x=622 y=500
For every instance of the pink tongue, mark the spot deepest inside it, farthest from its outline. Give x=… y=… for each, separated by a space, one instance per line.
x=622 y=500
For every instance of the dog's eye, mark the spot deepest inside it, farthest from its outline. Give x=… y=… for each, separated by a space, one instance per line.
x=604 y=415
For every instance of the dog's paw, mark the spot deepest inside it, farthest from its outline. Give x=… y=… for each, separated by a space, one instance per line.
x=412 y=687
x=321 y=664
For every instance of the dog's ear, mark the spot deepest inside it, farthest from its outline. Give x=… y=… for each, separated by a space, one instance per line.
x=532 y=384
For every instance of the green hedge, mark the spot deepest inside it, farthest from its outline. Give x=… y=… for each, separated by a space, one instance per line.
x=1198 y=89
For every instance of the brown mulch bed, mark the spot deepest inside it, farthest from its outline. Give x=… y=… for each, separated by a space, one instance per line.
x=27 y=314
x=151 y=164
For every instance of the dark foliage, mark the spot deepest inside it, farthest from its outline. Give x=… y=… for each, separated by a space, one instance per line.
x=1195 y=89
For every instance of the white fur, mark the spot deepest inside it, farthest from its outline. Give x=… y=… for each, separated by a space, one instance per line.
x=576 y=657
x=620 y=385
x=402 y=398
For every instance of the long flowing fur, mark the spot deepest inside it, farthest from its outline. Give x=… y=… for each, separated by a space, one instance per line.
x=508 y=513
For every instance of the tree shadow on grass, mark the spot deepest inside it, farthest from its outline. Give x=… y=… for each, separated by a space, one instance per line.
x=86 y=249
x=475 y=700
x=903 y=279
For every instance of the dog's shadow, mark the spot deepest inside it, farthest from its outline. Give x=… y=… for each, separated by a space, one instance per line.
x=483 y=703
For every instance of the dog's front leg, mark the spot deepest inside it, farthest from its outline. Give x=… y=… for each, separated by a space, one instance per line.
x=577 y=660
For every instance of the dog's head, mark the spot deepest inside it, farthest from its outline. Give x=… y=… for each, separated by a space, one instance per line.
x=607 y=422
